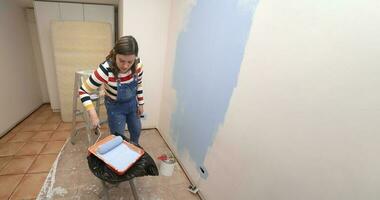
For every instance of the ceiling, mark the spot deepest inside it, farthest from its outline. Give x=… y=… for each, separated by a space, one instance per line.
x=29 y=3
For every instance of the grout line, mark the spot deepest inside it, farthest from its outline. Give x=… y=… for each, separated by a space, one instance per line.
x=6 y=163
x=12 y=157
x=44 y=172
x=35 y=160
x=47 y=173
x=19 y=183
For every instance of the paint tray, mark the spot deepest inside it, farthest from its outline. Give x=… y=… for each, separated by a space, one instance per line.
x=117 y=155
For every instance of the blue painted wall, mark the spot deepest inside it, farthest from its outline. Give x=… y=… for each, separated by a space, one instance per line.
x=208 y=58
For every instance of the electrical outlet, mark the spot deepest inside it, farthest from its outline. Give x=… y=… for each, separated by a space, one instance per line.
x=143 y=116
x=203 y=172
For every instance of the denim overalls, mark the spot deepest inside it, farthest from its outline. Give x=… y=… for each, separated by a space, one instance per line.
x=124 y=110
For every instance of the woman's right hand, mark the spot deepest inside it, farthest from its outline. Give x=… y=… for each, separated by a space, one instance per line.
x=94 y=119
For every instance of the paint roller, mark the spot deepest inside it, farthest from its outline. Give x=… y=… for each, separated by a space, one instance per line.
x=106 y=147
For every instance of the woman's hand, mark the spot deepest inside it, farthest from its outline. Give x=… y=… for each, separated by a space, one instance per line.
x=140 y=110
x=94 y=119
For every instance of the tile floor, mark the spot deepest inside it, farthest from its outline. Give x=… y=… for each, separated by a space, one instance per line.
x=28 y=152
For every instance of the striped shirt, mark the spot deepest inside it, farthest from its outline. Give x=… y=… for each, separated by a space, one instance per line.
x=103 y=75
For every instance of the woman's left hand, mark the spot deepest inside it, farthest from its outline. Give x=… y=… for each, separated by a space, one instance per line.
x=140 y=110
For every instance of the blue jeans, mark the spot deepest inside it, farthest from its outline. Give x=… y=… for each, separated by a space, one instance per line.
x=124 y=110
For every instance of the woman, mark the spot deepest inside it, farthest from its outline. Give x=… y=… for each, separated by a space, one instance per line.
x=121 y=75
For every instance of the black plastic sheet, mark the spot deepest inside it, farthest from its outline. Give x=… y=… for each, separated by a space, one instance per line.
x=145 y=166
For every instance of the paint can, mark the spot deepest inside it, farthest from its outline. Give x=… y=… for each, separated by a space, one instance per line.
x=167 y=167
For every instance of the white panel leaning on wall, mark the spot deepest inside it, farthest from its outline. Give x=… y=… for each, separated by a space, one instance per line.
x=45 y=13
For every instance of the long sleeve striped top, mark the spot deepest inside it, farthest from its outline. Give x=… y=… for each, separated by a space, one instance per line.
x=104 y=75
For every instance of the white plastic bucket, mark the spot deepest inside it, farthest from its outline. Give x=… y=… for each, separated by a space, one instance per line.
x=167 y=167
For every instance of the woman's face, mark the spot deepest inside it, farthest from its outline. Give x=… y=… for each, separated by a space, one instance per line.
x=124 y=62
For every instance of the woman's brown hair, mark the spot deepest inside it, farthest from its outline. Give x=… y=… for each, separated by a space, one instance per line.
x=126 y=45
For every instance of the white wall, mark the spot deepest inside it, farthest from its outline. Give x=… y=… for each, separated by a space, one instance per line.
x=18 y=78
x=48 y=11
x=148 y=22
x=100 y=13
x=120 y=13
x=37 y=54
x=303 y=121
x=45 y=12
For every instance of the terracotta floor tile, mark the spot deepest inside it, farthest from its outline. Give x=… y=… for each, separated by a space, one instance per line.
x=17 y=128
x=30 y=186
x=40 y=119
x=64 y=126
x=10 y=149
x=8 y=184
x=31 y=148
x=35 y=114
x=48 y=112
x=42 y=136
x=27 y=122
x=53 y=147
x=22 y=137
x=7 y=137
x=42 y=163
x=54 y=119
x=31 y=127
x=4 y=161
x=57 y=114
x=18 y=165
x=45 y=107
x=49 y=126
x=60 y=135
